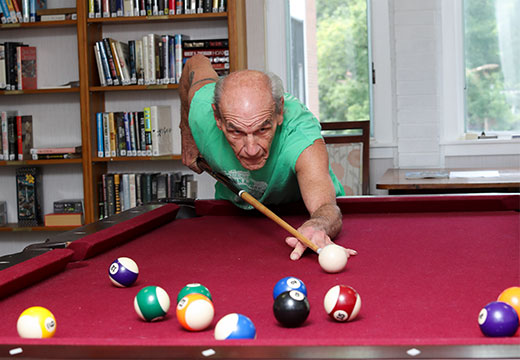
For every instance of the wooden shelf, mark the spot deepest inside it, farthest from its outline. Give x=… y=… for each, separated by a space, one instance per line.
x=136 y=158
x=134 y=87
x=39 y=91
x=41 y=162
x=13 y=227
x=39 y=24
x=160 y=18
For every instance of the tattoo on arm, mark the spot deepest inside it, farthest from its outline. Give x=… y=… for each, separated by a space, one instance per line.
x=190 y=78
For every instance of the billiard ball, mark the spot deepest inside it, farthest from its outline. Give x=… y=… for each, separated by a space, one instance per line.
x=498 y=319
x=195 y=312
x=287 y=284
x=36 y=322
x=235 y=326
x=151 y=303
x=333 y=258
x=291 y=308
x=511 y=296
x=193 y=288
x=342 y=303
x=123 y=272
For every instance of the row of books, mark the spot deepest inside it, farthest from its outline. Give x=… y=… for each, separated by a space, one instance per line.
x=17 y=66
x=118 y=192
x=117 y=8
x=18 y=11
x=155 y=59
x=16 y=138
x=138 y=133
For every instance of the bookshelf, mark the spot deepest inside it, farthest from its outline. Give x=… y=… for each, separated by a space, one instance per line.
x=78 y=178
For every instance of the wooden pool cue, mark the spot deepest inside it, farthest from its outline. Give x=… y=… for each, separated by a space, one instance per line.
x=204 y=166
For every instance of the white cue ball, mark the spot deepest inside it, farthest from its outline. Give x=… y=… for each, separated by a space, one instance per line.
x=333 y=258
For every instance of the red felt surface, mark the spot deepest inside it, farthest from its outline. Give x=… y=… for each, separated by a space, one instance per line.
x=33 y=270
x=422 y=277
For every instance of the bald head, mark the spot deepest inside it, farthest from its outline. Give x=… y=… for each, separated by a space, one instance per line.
x=250 y=84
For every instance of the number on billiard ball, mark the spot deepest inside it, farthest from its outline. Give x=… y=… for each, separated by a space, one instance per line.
x=342 y=303
x=235 y=326
x=151 y=303
x=36 y=322
x=498 y=319
x=287 y=284
x=123 y=272
x=195 y=312
x=291 y=308
x=193 y=288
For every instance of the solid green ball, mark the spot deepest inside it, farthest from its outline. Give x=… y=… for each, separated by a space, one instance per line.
x=194 y=288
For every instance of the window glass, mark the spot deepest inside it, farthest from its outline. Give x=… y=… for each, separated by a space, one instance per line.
x=329 y=43
x=492 y=65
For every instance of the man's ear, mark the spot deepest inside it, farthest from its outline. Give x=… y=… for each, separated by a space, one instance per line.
x=217 y=117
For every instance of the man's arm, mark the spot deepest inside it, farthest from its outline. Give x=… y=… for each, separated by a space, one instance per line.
x=319 y=196
x=196 y=73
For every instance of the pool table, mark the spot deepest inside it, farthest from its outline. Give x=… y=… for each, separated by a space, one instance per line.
x=425 y=267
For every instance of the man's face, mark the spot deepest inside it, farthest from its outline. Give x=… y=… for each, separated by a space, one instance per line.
x=248 y=121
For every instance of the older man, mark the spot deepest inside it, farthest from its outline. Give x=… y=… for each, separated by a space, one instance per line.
x=266 y=141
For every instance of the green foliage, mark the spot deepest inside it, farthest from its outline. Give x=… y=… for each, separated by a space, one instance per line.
x=342 y=60
x=491 y=98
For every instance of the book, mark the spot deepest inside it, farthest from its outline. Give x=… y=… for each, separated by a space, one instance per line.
x=68 y=206
x=3 y=213
x=148 y=130
x=178 y=39
x=29 y=196
x=162 y=132
x=104 y=62
x=27 y=69
x=72 y=219
x=55 y=156
x=4 y=118
x=12 y=138
x=99 y=131
x=57 y=150
x=24 y=128
x=56 y=11
x=2 y=67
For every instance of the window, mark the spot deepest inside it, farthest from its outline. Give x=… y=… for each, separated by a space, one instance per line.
x=329 y=58
x=492 y=65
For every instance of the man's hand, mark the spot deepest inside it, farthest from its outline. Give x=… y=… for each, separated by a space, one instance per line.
x=315 y=234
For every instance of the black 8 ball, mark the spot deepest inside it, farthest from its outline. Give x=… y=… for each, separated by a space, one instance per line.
x=291 y=308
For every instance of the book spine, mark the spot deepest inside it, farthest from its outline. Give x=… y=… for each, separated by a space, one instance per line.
x=166 y=59
x=106 y=137
x=132 y=61
x=57 y=150
x=117 y=193
x=19 y=137
x=171 y=7
x=2 y=67
x=117 y=63
x=106 y=8
x=142 y=132
x=91 y=11
x=126 y=123
x=99 y=127
x=27 y=136
x=5 y=136
x=148 y=130
x=12 y=11
x=112 y=128
x=120 y=124
x=104 y=61
x=101 y=73
x=26 y=11
x=12 y=138
x=132 y=133
x=155 y=130
x=32 y=10
x=111 y=202
x=138 y=151
x=139 y=62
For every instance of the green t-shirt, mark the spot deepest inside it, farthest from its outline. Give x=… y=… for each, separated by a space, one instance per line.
x=276 y=182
